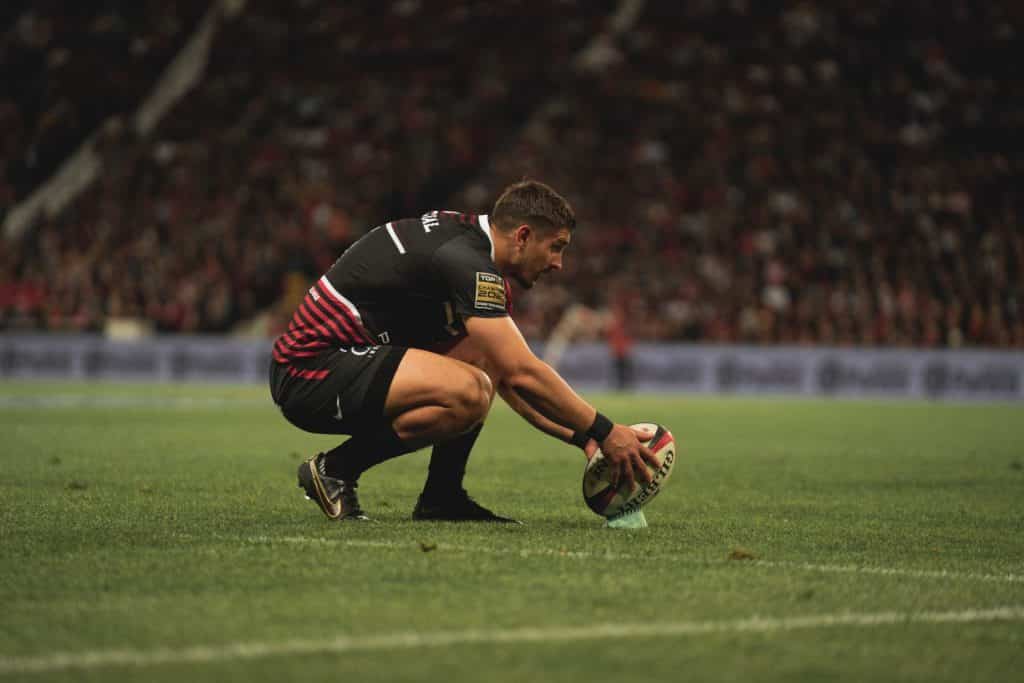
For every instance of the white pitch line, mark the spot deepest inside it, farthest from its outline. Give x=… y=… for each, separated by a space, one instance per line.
x=583 y=554
x=894 y=571
x=416 y=639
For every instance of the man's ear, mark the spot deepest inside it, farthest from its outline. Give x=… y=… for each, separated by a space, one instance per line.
x=521 y=235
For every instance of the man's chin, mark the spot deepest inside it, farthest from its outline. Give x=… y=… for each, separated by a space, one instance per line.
x=523 y=282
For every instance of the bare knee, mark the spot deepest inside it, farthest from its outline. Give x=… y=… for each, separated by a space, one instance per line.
x=432 y=399
x=471 y=400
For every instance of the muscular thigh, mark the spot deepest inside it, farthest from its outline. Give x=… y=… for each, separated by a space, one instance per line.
x=425 y=378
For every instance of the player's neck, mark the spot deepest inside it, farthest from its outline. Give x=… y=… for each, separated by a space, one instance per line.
x=502 y=250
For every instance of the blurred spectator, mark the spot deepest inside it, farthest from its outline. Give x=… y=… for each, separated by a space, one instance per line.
x=618 y=333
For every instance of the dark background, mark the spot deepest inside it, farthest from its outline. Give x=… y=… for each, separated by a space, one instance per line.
x=835 y=173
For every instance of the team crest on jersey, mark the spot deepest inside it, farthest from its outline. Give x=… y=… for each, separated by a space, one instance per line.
x=490 y=292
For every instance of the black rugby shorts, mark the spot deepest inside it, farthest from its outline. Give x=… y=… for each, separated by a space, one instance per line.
x=341 y=391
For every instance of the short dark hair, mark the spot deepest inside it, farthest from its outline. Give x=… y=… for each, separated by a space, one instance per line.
x=534 y=203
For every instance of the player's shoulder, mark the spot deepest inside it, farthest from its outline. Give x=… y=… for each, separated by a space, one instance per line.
x=459 y=223
x=466 y=234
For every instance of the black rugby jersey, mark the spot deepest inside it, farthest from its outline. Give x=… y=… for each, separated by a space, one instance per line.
x=410 y=282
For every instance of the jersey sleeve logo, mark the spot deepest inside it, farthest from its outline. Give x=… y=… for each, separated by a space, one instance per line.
x=490 y=292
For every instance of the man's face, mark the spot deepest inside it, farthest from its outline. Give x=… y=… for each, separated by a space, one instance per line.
x=539 y=253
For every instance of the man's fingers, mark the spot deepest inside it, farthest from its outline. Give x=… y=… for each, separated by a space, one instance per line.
x=643 y=433
x=613 y=472
x=641 y=468
x=627 y=480
x=649 y=457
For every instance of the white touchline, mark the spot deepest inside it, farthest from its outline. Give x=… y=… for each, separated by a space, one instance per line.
x=583 y=554
x=420 y=639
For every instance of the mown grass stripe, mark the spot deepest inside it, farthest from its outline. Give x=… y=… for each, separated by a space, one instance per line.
x=408 y=640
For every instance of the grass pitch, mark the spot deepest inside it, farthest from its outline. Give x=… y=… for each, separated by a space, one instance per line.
x=156 y=533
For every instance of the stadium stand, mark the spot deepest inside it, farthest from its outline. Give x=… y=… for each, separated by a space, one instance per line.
x=813 y=175
x=69 y=66
x=808 y=173
x=313 y=118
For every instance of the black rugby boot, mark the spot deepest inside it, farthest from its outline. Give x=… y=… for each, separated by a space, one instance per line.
x=455 y=507
x=337 y=499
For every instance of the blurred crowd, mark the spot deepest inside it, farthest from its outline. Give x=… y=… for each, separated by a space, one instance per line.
x=748 y=172
x=314 y=122
x=813 y=174
x=67 y=66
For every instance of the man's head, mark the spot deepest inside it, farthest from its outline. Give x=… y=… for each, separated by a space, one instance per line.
x=534 y=225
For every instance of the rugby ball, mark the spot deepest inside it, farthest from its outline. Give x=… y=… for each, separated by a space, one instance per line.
x=610 y=501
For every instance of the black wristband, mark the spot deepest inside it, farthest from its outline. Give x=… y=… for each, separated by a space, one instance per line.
x=579 y=439
x=601 y=428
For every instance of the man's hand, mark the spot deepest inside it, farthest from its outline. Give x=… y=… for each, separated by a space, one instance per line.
x=627 y=457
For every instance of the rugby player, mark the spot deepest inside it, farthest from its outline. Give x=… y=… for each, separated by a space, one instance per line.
x=404 y=341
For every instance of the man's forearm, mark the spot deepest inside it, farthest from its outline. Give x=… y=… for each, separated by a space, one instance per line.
x=544 y=391
x=518 y=404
